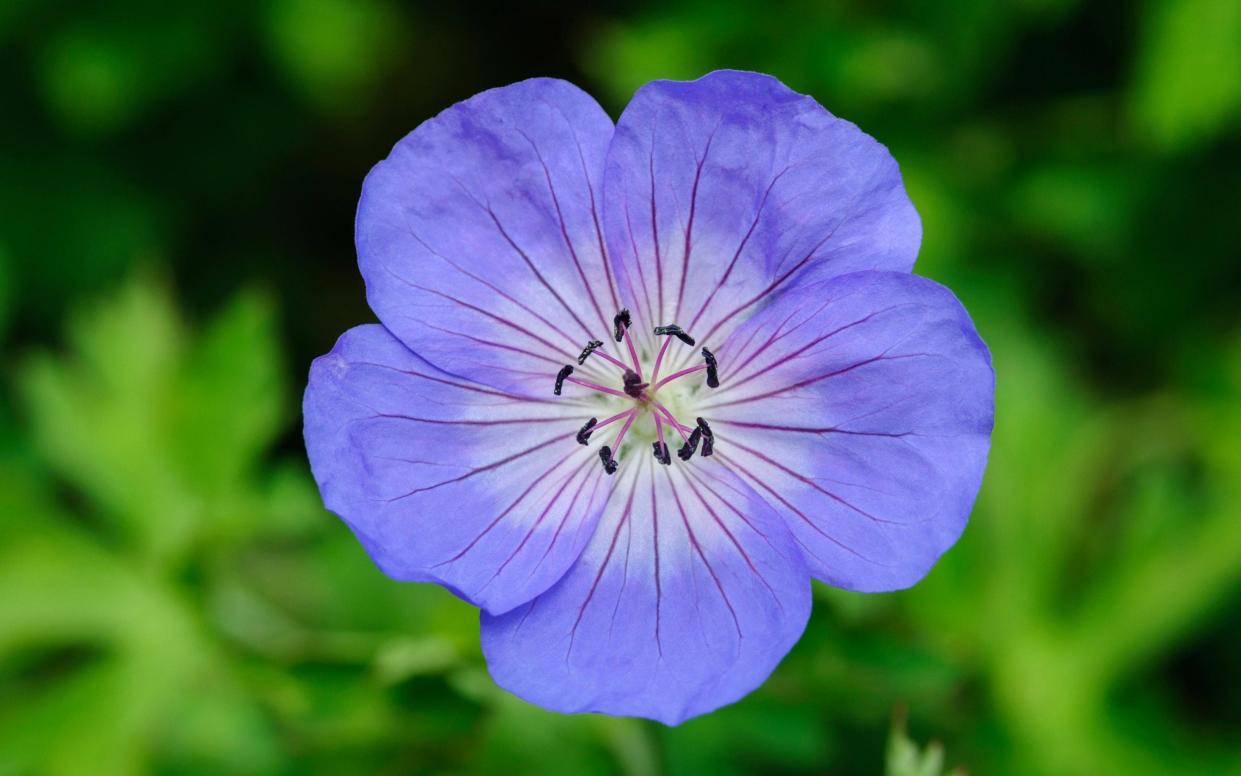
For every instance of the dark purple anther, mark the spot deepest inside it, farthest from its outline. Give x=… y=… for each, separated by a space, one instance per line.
x=621 y=318
x=713 y=375
x=687 y=450
x=633 y=384
x=586 y=351
x=583 y=436
x=661 y=452
x=564 y=372
x=675 y=331
x=708 y=438
x=609 y=464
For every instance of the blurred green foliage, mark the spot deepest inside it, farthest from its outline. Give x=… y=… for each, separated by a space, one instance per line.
x=176 y=192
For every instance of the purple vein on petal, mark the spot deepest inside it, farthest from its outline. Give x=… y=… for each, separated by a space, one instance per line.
x=693 y=540
x=633 y=245
x=624 y=579
x=740 y=247
x=599 y=476
x=496 y=520
x=814 y=430
x=788 y=505
x=817 y=379
x=659 y=592
x=659 y=263
x=464 y=386
x=590 y=191
x=561 y=487
x=491 y=344
x=625 y=573
x=733 y=539
x=494 y=288
x=603 y=567
x=735 y=382
x=564 y=231
x=573 y=314
x=486 y=313
x=486 y=208
x=484 y=468
x=812 y=483
x=702 y=482
x=689 y=226
x=463 y=422
x=775 y=337
x=779 y=281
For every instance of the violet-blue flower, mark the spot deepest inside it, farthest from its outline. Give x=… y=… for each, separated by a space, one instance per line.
x=634 y=385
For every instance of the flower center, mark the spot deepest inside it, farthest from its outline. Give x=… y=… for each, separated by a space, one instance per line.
x=657 y=399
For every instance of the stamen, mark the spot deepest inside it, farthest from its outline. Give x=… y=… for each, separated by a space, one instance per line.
x=590 y=348
x=713 y=375
x=675 y=331
x=687 y=450
x=659 y=360
x=621 y=318
x=675 y=375
x=591 y=426
x=625 y=429
x=605 y=456
x=605 y=452
x=659 y=426
x=680 y=427
x=634 y=385
x=583 y=436
x=611 y=359
x=708 y=438
x=595 y=387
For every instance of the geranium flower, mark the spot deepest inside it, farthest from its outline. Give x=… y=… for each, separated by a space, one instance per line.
x=636 y=384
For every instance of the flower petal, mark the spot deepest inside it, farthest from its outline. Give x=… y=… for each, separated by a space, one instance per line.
x=690 y=593
x=861 y=408
x=478 y=237
x=446 y=481
x=724 y=190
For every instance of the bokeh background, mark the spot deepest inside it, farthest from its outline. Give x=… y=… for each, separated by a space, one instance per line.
x=177 y=188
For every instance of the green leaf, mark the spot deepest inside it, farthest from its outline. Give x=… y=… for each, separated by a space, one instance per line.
x=1188 y=81
x=163 y=430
